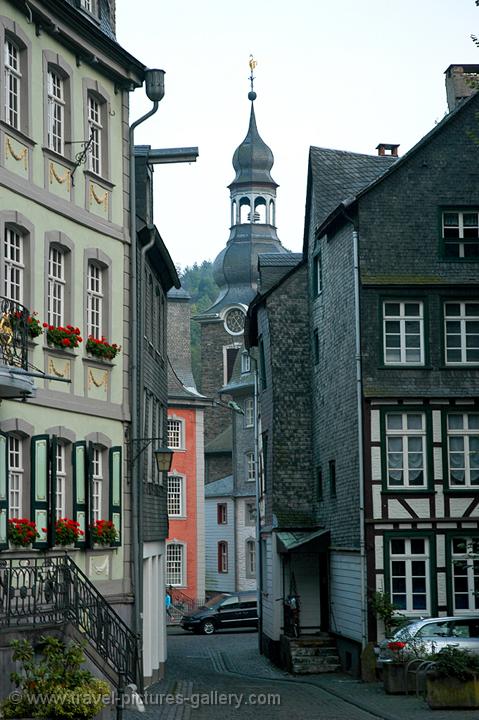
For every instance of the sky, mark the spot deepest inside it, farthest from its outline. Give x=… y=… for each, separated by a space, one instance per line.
x=338 y=74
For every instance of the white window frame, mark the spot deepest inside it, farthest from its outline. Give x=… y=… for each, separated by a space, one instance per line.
x=249 y=412
x=466 y=560
x=250 y=469
x=16 y=474
x=13 y=79
x=175 y=433
x=61 y=481
x=409 y=558
x=56 y=112
x=175 y=576
x=404 y=320
x=460 y=227
x=223 y=564
x=56 y=286
x=97 y=483
x=250 y=559
x=245 y=362
x=407 y=435
x=14 y=266
x=95 y=134
x=176 y=495
x=87 y=5
x=462 y=320
x=467 y=434
x=95 y=294
x=223 y=512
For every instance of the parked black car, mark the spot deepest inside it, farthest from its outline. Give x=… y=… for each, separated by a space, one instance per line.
x=237 y=610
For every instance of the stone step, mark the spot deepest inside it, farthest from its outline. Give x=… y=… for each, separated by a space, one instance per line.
x=313 y=668
x=313 y=651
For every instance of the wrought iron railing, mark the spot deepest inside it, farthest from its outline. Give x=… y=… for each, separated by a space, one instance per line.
x=184 y=603
x=53 y=590
x=13 y=333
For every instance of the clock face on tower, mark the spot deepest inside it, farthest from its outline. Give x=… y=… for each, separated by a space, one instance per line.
x=234 y=321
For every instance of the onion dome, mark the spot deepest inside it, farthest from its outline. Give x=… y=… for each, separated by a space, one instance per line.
x=253 y=159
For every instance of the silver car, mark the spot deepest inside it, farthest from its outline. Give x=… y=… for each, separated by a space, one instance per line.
x=430 y=635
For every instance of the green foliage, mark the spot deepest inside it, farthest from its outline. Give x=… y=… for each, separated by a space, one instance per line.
x=384 y=609
x=55 y=687
x=457 y=663
x=198 y=281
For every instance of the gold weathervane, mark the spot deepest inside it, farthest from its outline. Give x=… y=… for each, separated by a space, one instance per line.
x=252 y=65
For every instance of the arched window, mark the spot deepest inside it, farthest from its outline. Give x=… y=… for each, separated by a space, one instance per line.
x=272 y=213
x=16 y=93
x=94 y=296
x=59 y=106
x=223 y=557
x=96 y=118
x=56 y=286
x=260 y=210
x=245 y=210
x=16 y=475
x=233 y=213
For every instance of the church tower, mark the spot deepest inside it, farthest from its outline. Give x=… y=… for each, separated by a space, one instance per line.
x=252 y=232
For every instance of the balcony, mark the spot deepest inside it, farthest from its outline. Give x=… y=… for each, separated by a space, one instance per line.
x=14 y=380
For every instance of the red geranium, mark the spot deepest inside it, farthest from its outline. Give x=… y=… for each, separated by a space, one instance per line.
x=101 y=347
x=67 y=531
x=63 y=337
x=22 y=531
x=103 y=532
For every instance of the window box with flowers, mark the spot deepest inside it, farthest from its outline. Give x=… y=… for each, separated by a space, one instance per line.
x=103 y=532
x=34 y=329
x=67 y=531
x=66 y=338
x=101 y=348
x=22 y=532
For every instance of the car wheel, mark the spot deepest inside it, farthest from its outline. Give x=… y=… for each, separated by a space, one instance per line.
x=207 y=628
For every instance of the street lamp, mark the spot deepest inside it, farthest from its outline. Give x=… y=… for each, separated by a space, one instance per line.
x=163 y=457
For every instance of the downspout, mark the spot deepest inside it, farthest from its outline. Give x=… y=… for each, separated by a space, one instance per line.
x=259 y=556
x=136 y=395
x=360 y=418
x=359 y=399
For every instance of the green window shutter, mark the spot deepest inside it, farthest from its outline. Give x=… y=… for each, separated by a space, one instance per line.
x=89 y=492
x=3 y=491
x=53 y=491
x=40 y=455
x=115 y=489
x=80 y=489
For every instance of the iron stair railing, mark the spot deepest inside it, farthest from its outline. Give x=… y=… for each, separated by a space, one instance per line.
x=52 y=590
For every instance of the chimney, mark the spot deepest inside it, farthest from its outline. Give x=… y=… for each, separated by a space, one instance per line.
x=387 y=149
x=178 y=340
x=461 y=82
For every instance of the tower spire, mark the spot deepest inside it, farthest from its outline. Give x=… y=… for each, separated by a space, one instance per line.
x=252 y=65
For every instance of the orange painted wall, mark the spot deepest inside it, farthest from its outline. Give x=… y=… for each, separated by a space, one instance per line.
x=185 y=528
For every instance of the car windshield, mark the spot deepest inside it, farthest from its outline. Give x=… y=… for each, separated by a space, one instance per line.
x=214 y=601
x=406 y=632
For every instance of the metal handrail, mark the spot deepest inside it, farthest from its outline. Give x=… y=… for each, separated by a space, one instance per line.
x=14 y=319
x=53 y=590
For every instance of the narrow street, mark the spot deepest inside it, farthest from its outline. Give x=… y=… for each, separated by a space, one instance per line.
x=222 y=676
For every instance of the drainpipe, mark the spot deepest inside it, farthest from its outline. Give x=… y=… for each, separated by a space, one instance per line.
x=359 y=399
x=259 y=557
x=155 y=90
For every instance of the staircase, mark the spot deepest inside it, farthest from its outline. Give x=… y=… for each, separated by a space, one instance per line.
x=53 y=591
x=310 y=654
x=181 y=604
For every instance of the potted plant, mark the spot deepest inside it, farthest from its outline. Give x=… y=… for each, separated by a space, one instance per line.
x=103 y=532
x=55 y=687
x=22 y=532
x=398 y=675
x=100 y=347
x=63 y=337
x=454 y=680
x=67 y=531
x=34 y=329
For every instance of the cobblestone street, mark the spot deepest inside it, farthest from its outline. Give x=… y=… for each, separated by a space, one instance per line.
x=222 y=676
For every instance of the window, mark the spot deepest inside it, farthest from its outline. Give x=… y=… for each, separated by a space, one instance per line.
x=175 y=559
x=317 y=274
x=222 y=513
x=405 y=450
x=250 y=558
x=15 y=476
x=245 y=362
x=250 y=513
x=175 y=496
x=465 y=573
x=94 y=300
x=461 y=321
x=61 y=475
x=222 y=557
x=403 y=333
x=97 y=490
x=250 y=474
x=460 y=232
x=13 y=78
x=56 y=286
x=94 y=135
x=87 y=5
x=463 y=449
x=56 y=112
x=13 y=265
x=332 y=478
x=229 y=358
x=409 y=564
x=316 y=346
x=175 y=434
x=249 y=412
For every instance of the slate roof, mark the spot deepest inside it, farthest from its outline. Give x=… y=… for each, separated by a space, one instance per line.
x=340 y=175
x=222 y=443
x=276 y=259
x=220 y=488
